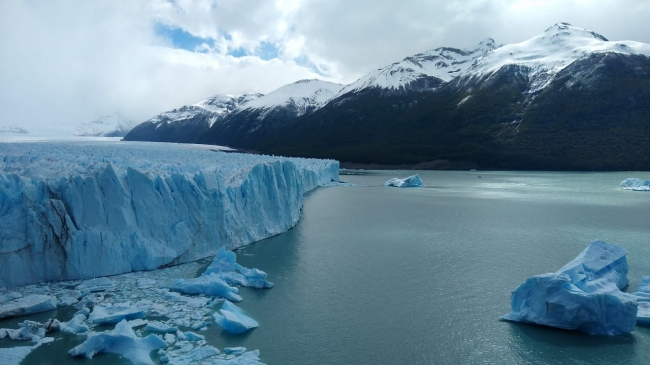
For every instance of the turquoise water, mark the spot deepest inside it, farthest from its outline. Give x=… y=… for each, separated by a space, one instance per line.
x=378 y=275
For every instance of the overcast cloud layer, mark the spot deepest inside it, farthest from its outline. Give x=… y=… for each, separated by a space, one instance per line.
x=66 y=62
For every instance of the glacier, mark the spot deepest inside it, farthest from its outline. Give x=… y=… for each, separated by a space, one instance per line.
x=65 y=207
x=584 y=295
x=635 y=184
x=407 y=182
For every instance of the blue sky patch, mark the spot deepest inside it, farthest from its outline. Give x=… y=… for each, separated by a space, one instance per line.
x=305 y=62
x=267 y=51
x=180 y=38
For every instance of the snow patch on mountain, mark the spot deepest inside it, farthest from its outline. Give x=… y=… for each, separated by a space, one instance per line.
x=551 y=51
x=303 y=95
x=113 y=125
x=443 y=63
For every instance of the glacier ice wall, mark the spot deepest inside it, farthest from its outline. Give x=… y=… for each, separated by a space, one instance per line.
x=93 y=209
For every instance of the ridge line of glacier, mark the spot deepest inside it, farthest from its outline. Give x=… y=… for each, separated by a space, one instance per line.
x=82 y=210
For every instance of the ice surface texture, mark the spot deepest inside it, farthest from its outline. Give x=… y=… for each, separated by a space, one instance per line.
x=584 y=295
x=123 y=341
x=408 y=182
x=635 y=184
x=94 y=209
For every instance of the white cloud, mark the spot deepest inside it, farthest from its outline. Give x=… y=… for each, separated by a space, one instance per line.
x=69 y=61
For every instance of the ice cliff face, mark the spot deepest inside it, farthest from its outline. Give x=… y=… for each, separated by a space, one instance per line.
x=94 y=209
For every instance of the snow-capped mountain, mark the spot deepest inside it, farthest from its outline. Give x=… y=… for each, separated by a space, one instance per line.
x=271 y=111
x=551 y=51
x=13 y=129
x=520 y=105
x=301 y=96
x=437 y=66
x=113 y=125
x=187 y=123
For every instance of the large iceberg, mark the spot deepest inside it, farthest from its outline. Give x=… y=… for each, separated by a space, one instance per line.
x=407 y=182
x=144 y=205
x=635 y=184
x=123 y=341
x=584 y=295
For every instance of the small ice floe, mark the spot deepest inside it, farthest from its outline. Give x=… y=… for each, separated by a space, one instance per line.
x=122 y=341
x=116 y=313
x=233 y=319
x=68 y=297
x=145 y=283
x=584 y=295
x=192 y=357
x=408 y=182
x=34 y=303
x=30 y=331
x=75 y=325
x=635 y=184
x=14 y=355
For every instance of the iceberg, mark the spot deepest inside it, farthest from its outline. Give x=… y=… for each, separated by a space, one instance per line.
x=233 y=319
x=643 y=298
x=122 y=341
x=14 y=355
x=144 y=205
x=225 y=265
x=75 y=325
x=408 y=182
x=217 y=279
x=34 y=303
x=635 y=184
x=211 y=284
x=584 y=295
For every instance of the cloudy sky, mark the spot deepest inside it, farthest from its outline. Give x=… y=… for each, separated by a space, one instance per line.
x=66 y=62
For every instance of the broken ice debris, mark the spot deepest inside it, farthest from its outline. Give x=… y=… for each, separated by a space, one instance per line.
x=584 y=295
x=95 y=285
x=233 y=319
x=122 y=341
x=408 y=182
x=225 y=264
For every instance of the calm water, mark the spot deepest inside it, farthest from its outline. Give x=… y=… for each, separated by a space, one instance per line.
x=378 y=275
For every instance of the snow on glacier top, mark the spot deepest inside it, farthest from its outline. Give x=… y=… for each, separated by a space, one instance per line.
x=443 y=63
x=301 y=94
x=52 y=159
x=551 y=51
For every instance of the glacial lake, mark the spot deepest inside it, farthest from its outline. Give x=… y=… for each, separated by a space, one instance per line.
x=379 y=275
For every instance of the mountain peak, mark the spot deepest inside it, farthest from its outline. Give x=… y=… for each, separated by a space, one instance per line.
x=566 y=30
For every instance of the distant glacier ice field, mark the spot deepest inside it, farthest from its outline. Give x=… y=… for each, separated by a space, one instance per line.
x=72 y=210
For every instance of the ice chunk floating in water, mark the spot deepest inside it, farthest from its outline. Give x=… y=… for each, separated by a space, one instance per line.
x=144 y=205
x=122 y=341
x=635 y=184
x=408 y=182
x=584 y=295
x=220 y=275
x=233 y=319
x=34 y=303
